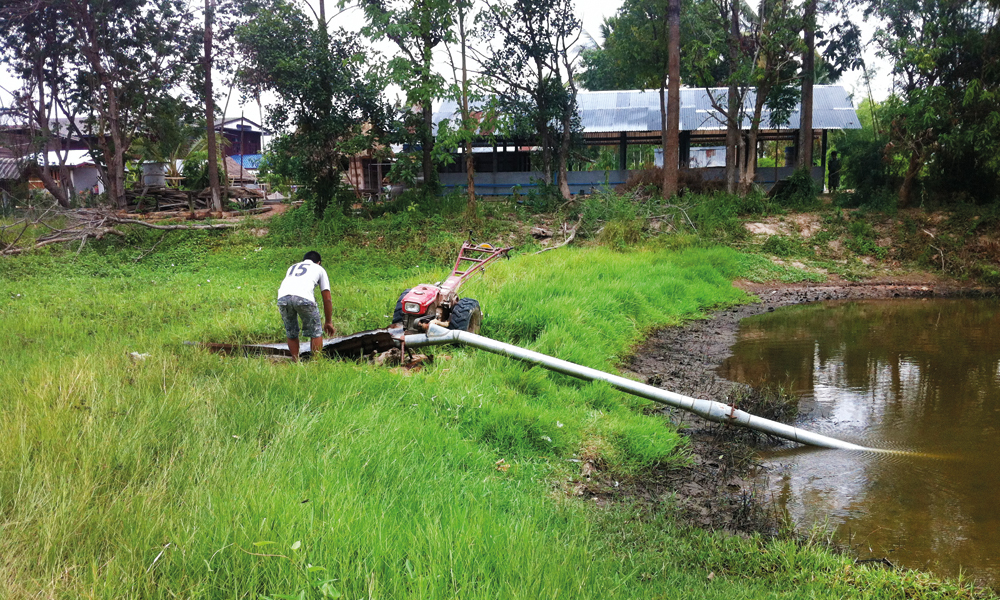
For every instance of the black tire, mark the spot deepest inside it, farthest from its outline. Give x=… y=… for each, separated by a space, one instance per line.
x=466 y=316
x=397 y=315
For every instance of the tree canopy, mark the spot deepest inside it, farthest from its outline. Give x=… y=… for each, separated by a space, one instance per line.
x=329 y=104
x=126 y=73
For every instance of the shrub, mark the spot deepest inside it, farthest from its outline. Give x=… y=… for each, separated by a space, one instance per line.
x=780 y=245
x=799 y=192
x=622 y=233
x=866 y=170
x=862 y=239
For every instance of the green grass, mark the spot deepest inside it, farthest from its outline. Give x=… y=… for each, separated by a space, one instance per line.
x=186 y=474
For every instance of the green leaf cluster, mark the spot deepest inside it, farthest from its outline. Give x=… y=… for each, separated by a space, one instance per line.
x=329 y=104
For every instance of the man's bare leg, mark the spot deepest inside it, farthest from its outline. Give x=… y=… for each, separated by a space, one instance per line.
x=293 y=347
x=317 y=346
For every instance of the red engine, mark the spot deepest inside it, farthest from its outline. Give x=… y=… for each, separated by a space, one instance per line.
x=420 y=299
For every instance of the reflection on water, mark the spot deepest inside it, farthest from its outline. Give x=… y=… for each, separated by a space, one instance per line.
x=920 y=375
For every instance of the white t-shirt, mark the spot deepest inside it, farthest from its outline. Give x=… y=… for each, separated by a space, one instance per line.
x=302 y=278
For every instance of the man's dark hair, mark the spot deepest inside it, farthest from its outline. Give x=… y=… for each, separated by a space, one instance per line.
x=313 y=256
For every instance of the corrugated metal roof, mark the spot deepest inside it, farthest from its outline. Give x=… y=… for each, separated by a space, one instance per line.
x=10 y=168
x=639 y=111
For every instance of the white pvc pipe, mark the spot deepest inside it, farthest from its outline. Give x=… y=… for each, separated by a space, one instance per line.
x=709 y=409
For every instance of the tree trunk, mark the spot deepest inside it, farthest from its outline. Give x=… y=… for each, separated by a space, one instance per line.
x=805 y=158
x=213 y=157
x=428 y=144
x=750 y=152
x=906 y=190
x=116 y=163
x=114 y=153
x=672 y=137
x=664 y=139
x=542 y=125
x=546 y=154
x=470 y=163
x=569 y=111
x=56 y=188
x=750 y=162
x=565 y=142
x=427 y=111
x=733 y=102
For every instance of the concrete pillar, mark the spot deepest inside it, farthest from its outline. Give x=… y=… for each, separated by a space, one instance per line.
x=622 y=151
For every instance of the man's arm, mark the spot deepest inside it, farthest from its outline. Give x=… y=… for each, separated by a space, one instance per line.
x=328 y=313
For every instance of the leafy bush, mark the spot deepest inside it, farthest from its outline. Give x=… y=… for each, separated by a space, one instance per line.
x=862 y=239
x=780 y=245
x=867 y=171
x=622 y=233
x=545 y=197
x=799 y=192
x=195 y=174
x=718 y=214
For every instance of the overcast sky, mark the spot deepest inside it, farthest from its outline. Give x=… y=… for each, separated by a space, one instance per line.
x=591 y=12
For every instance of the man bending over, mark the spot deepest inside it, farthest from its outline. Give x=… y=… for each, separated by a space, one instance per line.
x=296 y=300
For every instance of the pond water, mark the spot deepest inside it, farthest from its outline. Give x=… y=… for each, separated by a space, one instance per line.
x=915 y=375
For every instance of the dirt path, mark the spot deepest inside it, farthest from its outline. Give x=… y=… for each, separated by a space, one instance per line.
x=717 y=490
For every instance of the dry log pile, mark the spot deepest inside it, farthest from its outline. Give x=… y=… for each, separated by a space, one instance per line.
x=76 y=226
x=159 y=198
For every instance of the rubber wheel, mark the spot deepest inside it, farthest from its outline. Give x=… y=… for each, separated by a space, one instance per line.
x=397 y=315
x=466 y=316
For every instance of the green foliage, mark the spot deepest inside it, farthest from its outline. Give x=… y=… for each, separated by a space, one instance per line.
x=714 y=216
x=718 y=215
x=863 y=239
x=178 y=128
x=416 y=29
x=867 y=172
x=195 y=174
x=543 y=197
x=800 y=191
x=634 y=55
x=116 y=66
x=943 y=119
x=528 y=56
x=329 y=101
x=622 y=233
x=780 y=245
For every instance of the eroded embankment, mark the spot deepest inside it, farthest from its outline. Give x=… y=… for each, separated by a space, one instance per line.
x=717 y=490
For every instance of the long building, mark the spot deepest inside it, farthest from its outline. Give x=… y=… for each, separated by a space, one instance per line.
x=632 y=117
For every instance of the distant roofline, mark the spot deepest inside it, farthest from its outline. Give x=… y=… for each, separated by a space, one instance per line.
x=637 y=111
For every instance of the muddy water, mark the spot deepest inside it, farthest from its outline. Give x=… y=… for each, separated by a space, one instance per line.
x=915 y=375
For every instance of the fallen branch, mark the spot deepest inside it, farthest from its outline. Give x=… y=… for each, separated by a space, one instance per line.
x=118 y=220
x=27 y=222
x=86 y=225
x=683 y=212
x=147 y=252
x=940 y=250
x=569 y=238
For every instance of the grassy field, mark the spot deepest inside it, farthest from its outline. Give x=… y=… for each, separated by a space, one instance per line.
x=184 y=474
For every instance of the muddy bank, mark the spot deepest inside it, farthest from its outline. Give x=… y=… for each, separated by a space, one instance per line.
x=684 y=359
x=717 y=490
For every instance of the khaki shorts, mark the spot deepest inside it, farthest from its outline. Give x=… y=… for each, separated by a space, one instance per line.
x=293 y=308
